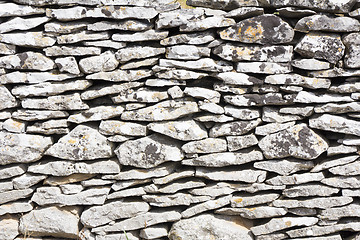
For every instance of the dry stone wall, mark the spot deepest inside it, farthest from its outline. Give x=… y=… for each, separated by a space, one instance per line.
x=139 y=119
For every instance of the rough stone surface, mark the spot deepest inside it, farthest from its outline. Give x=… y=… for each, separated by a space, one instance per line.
x=335 y=123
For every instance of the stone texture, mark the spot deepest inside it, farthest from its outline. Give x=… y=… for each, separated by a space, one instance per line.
x=320 y=202
x=71 y=50
x=207 y=23
x=310 y=64
x=177 y=17
x=67 y=64
x=12 y=171
x=137 y=52
x=149 y=35
x=235 y=78
x=16 y=207
x=322 y=230
x=240 y=142
x=104 y=62
x=310 y=189
x=12 y=9
x=189 y=38
x=255 y=99
x=187 y=52
x=14 y=195
x=7 y=100
x=176 y=199
x=7 y=49
x=9 y=227
x=125 y=25
x=310 y=97
x=351 y=210
x=296 y=179
x=112 y=127
x=29 y=39
x=263 y=67
x=26 y=181
x=204 y=64
x=335 y=123
x=19 y=23
x=154 y=232
x=325 y=23
x=140 y=95
x=208 y=205
x=121 y=75
x=254 y=213
x=330 y=6
x=240 y=201
x=233 y=128
x=34 y=115
x=298 y=80
x=208 y=145
x=249 y=176
x=60 y=102
x=33 y=77
x=27 y=61
x=96 y=114
x=284 y=167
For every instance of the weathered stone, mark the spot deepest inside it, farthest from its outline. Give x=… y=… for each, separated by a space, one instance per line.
x=204 y=64
x=7 y=49
x=335 y=72
x=150 y=35
x=240 y=142
x=67 y=64
x=119 y=236
x=207 y=23
x=240 y=201
x=296 y=79
x=49 y=88
x=166 y=110
x=328 y=24
x=177 y=186
x=256 y=99
x=134 y=106
x=340 y=149
x=218 y=189
x=12 y=9
x=310 y=97
x=352 y=43
x=342 y=181
x=141 y=221
x=28 y=39
x=311 y=189
x=191 y=38
x=330 y=6
x=208 y=205
x=177 y=17
x=265 y=29
x=353 y=87
x=203 y=93
x=145 y=95
x=303 y=211
x=225 y=159
x=6 y=186
x=154 y=232
x=66 y=168
x=245 y=12
x=65 y=27
x=347 y=169
x=12 y=171
x=164 y=83
x=232 y=52
x=302 y=111
x=9 y=227
x=207 y=226
x=208 y=145
x=51 y=221
x=78 y=12
x=121 y=75
x=96 y=114
x=277 y=224
x=338 y=108
x=53 y=195
x=54 y=123
x=112 y=127
x=186 y=52
x=254 y=213
x=120 y=185
x=81 y=36
x=102 y=63
x=19 y=23
x=71 y=50
x=105 y=43
x=351 y=210
x=26 y=181
x=33 y=77
x=14 y=195
x=334 y=123
x=294 y=12
x=249 y=176
x=141 y=63
x=16 y=207
x=320 y=202
x=284 y=167
x=223 y=4
x=126 y=25
x=60 y=102
x=323 y=230
x=137 y=52
x=310 y=64
x=235 y=78
x=267 y=129
x=22 y=148
x=233 y=128
x=296 y=179
x=96 y=182
x=74 y=178
x=35 y=115
x=263 y=67
x=174 y=199
x=321 y=46
x=7 y=100
x=210 y=107
x=242 y=113
x=301 y=142
x=148 y=152
x=70 y=189
x=271 y=114
x=82 y=143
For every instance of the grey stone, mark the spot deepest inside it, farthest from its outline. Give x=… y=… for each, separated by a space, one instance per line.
x=7 y=49
x=166 y=110
x=352 y=43
x=141 y=221
x=74 y=178
x=164 y=83
x=45 y=89
x=6 y=186
x=102 y=63
x=242 y=113
x=207 y=23
x=26 y=180
x=96 y=114
x=235 y=78
x=284 y=167
x=125 y=25
x=51 y=221
x=310 y=189
x=345 y=88
x=224 y=4
x=22 y=148
x=112 y=127
x=218 y=189
x=65 y=27
x=277 y=224
x=338 y=108
x=138 y=52
x=67 y=168
x=310 y=64
x=71 y=50
x=14 y=195
x=177 y=17
x=350 y=140
x=118 y=236
x=207 y=117
x=334 y=123
x=81 y=36
x=350 y=169
x=174 y=187
x=342 y=181
x=270 y=128
x=326 y=46
x=263 y=67
x=203 y=93
x=187 y=52
x=296 y=79
x=28 y=39
x=58 y=2
x=12 y=9
x=249 y=176
x=206 y=226
x=225 y=159
x=208 y=145
x=302 y=111
x=19 y=23
x=59 y=102
x=121 y=75
x=329 y=6
x=176 y=199
x=175 y=92
x=335 y=72
x=303 y=211
x=70 y=189
x=82 y=143
x=232 y=52
x=5 y=114
x=296 y=12
x=96 y=182
x=105 y=43
x=15 y=126
x=233 y=128
x=328 y=24
x=319 y=202
x=185 y=172
x=350 y=192
x=205 y=206
x=296 y=179
x=271 y=114
x=128 y=183
x=255 y=99
x=145 y=95
x=67 y=64
x=240 y=142
x=340 y=149
x=149 y=35
x=33 y=77
x=9 y=227
x=240 y=201
x=260 y=29
x=310 y=97
x=148 y=152
x=323 y=230
x=39 y=129
x=254 y=213
x=34 y=115
x=7 y=100
x=16 y=207
x=189 y=38
x=204 y=64
x=210 y=107
x=245 y=12
x=351 y=210
x=141 y=63
x=154 y=232
x=12 y=171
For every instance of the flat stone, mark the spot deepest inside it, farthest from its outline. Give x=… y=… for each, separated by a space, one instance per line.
x=305 y=143
x=245 y=12
x=177 y=17
x=210 y=107
x=350 y=169
x=176 y=199
x=235 y=78
x=296 y=12
x=102 y=63
x=148 y=152
x=264 y=29
x=166 y=110
x=96 y=114
x=34 y=115
x=240 y=201
x=323 y=230
x=23 y=148
x=298 y=80
x=277 y=224
x=58 y=2
x=81 y=36
x=225 y=159
x=73 y=178
x=207 y=117
x=159 y=171
x=310 y=64
x=240 y=142
x=7 y=49
x=350 y=192
x=270 y=128
x=174 y=187
x=16 y=207
x=351 y=210
x=71 y=50
x=203 y=93
x=116 y=236
x=45 y=89
x=223 y=5
x=330 y=6
x=253 y=213
x=284 y=167
x=237 y=52
x=302 y=111
x=70 y=189
x=82 y=143
x=350 y=140
x=204 y=64
x=208 y=225
x=187 y=52
x=242 y=113
x=67 y=64
x=12 y=9
x=120 y=185
x=342 y=181
x=207 y=23
x=271 y=114
x=303 y=211
x=96 y=182
x=352 y=43
x=145 y=95
x=205 y=206
x=154 y=232
x=334 y=123
x=28 y=39
x=33 y=77
x=249 y=176
x=51 y=221
x=189 y=38
x=208 y=145
x=149 y=35
x=14 y=195
x=141 y=221
x=14 y=126
x=66 y=168
x=26 y=181
x=59 y=102
x=296 y=179
x=338 y=108
x=12 y=171
x=310 y=97
x=121 y=75
x=321 y=46
x=141 y=63
x=114 y=12
x=49 y=124
x=263 y=67
x=214 y=190
x=345 y=88
x=9 y=227
x=310 y=189
x=112 y=127
x=233 y=128
x=256 y=99
x=105 y=43
x=19 y=23
x=327 y=24
x=65 y=27
x=7 y=100
x=124 y=25
x=137 y=52
x=319 y=202
x=185 y=172
x=340 y=149
x=335 y=72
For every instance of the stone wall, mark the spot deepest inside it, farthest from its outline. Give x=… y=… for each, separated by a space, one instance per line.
x=137 y=119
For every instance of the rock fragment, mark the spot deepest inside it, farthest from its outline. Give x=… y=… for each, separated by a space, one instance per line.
x=60 y=102
x=284 y=167
x=249 y=176
x=177 y=17
x=189 y=38
x=12 y=9
x=335 y=123
x=28 y=39
x=137 y=52
x=204 y=64
x=310 y=189
x=125 y=25
x=14 y=195
x=310 y=64
x=112 y=127
x=207 y=23
x=19 y=23
x=96 y=114
x=254 y=213
x=149 y=35
x=71 y=50
x=233 y=128
x=186 y=52
x=9 y=227
x=67 y=64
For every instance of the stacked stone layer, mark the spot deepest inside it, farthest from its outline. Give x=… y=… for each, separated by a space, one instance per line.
x=140 y=119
